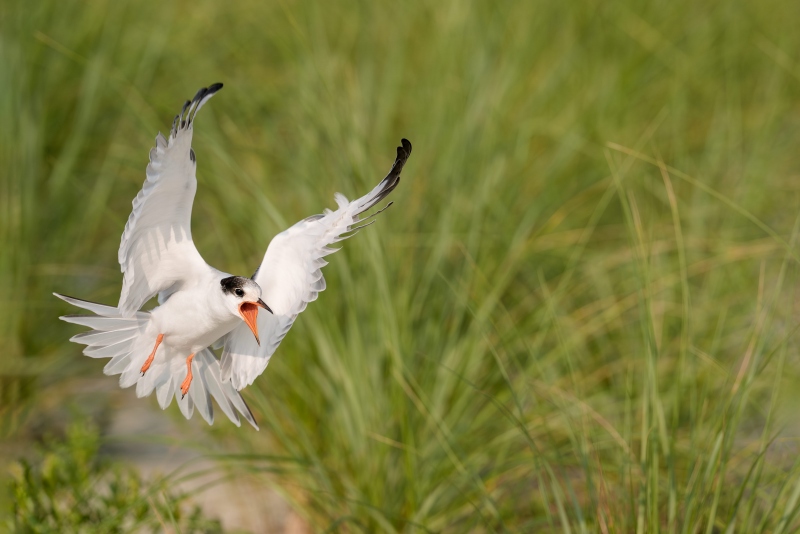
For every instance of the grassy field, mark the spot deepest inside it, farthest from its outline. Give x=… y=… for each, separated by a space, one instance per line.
x=581 y=315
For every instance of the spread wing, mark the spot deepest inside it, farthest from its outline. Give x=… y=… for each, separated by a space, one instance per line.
x=157 y=252
x=290 y=276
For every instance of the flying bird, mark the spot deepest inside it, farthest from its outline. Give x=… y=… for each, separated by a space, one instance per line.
x=169 y=349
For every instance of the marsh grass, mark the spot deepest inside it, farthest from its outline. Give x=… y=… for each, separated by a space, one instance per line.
x=580 y=315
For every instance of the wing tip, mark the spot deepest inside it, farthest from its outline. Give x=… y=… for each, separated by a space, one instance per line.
x=189 y=111
x=206 y=91
x=392 y=179
x=406 y=146
x=403 y=153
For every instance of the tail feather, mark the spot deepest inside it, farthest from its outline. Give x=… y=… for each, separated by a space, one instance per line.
x=215 y=388
x=98 y=338
x=158 y=374
x=239 y=403
x=103 y=324
x=126 y=341
x=165 y=392
x=99 y=309
x=199 y=390
x=109 y=351
x=185 y=403
x=117 y=364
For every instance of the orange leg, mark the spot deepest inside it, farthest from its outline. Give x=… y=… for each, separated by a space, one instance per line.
x=188 y=380
x=146 y=365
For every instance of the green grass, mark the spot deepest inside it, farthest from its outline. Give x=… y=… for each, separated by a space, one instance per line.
x=580 y=315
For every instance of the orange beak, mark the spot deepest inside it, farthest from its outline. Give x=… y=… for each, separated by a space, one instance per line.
x=249 y=312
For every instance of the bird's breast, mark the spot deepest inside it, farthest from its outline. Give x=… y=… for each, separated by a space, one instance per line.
x=189 y=326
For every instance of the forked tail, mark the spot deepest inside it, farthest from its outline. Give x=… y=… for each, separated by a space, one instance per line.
x=122 y=339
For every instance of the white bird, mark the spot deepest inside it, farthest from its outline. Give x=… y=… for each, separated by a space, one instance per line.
x=168 y=349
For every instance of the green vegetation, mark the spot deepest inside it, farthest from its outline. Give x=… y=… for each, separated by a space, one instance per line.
x=581 y=313
x=69 y=490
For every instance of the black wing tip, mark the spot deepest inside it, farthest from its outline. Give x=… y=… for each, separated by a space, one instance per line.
x=206 y=91
x=186 y=117
x=392 y=179
x=403 y=153
x=200 y=94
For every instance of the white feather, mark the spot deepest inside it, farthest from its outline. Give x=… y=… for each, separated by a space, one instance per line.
x=156 y=251
x=290 y=277
x=157 y=256
x=99 y=338
x=126 y=342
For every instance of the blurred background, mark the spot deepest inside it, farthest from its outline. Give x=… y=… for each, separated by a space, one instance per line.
x=580 y=315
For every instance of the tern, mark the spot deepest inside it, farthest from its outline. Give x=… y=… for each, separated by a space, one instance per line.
x=169 y=349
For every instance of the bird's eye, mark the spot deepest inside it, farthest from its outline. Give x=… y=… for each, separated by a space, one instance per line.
x=239 y=292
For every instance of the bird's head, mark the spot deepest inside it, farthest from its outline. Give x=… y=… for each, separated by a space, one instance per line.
x=243 y=298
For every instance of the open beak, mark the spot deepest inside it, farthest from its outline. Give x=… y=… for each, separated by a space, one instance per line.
x=249 y=312
x=264 y=305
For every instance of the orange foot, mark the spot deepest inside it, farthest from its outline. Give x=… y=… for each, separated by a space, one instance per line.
x=188 y=380
x=149 y=361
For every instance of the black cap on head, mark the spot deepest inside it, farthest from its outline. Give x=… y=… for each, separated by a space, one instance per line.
x=230 y=284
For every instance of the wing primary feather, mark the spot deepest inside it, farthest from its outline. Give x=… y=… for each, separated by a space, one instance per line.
x=174 y=131
x=161 y=141
x=211 y=91
x=190 y=114
x=184 y=108
x=392 y=179
x=357 y=228
x=326 y=251
x=371 y=215
x=199 y=95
